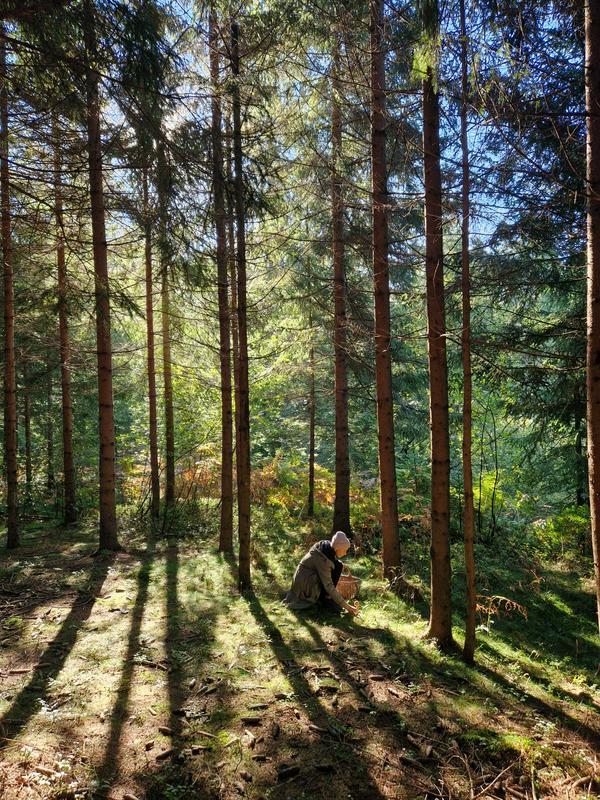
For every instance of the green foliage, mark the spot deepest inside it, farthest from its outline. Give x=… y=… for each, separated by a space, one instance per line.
x=566 y=534
x=427 y=50
x=426 y=58
x=488 y=497
x=168 y=785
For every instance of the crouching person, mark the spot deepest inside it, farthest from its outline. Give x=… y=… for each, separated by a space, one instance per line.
x=317 y=575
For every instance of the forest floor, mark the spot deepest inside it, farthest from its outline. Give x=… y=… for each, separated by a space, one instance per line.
x=146 y=675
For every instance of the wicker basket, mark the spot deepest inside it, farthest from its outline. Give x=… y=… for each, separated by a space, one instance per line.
x=348 y=586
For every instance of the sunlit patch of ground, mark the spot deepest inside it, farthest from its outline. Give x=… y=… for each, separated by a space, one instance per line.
x=146 y=675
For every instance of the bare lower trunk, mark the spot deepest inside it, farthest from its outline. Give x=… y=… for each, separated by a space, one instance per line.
x=151 y=360
x=50 y=479
x=467 y=442
x=27 y=427
x=10 y=380
x=592 y=97
x=168 y=391
x=341 y=507
x=579 y=463
x=311 y=433
x=383 y=360
x=440 y=620
x=162 y=187
x=243 y=438
x=64 y=340
x=231 y=257
x=226 y=531
x=108 y=515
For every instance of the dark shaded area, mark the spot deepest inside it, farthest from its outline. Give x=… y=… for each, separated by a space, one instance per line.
x=22 y=10
x=176 y=693
x=560 y=621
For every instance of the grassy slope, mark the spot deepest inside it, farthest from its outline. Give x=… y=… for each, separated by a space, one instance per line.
x=148 y=675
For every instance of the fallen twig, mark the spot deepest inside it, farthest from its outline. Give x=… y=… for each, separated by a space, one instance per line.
x=581 y=781
x=495 y=781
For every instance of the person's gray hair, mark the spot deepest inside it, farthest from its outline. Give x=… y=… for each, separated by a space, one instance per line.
x=339 y=539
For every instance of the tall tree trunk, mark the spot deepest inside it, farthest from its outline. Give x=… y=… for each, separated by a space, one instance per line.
x=70 y=511
x=383 y=360
x=108 y=514
x=243 y=438
x=579 y=464
x=168 y=390
x=27 y=427
x=162 y=189
x=467 y=442
x=150 y=359
x=312 y=407
x=592 y=101
x=226 y=534
x=341 y=506
x=231 y=257
x=50 y=479
x=440 y=620
x=10 y=379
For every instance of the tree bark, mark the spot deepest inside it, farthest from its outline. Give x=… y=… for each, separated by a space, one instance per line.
x=231 y=257
x=467 y=441
x=579 y=464
x=592 y=100
x=226 y=531
x=27 y=427
x=10 y=379
x=108 y=514
x=311 y=427
x=162 y=189
x=383 y=360
x=341 y=506
x=151 y=359
x=440 y=620
x=70 y=511
x=243 y=438
x=50 y=478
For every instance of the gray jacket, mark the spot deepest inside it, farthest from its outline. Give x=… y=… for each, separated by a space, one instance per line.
x=312 y=575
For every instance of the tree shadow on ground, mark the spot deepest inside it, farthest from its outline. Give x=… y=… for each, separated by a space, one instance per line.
x=303 y=691
x=109 y=767
x=175 y=772
x=35 y=577
x=452 y=672
x=539 y=676
x=561 y=619
x=27 y=702
x=356 y=781
x=551 y=712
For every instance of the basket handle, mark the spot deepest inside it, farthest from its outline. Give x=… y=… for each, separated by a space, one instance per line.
x=346 y=572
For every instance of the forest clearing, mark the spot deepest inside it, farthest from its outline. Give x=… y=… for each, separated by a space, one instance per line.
x=290 y=287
